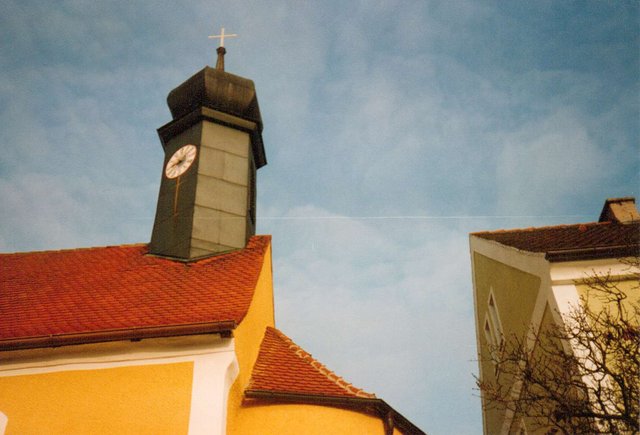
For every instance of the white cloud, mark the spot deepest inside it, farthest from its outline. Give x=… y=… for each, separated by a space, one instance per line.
x=385 y=304
x=40 y=209
x=547 y=161
x=54 y=212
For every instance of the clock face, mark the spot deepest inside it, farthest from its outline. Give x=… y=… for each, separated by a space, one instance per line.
x=180 y=161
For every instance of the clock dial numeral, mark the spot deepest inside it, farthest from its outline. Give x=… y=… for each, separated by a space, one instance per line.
x=180 y=161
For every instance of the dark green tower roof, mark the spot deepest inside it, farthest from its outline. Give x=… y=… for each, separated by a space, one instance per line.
x=223 y=92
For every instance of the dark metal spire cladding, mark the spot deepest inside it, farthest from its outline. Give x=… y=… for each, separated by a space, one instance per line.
x=220 y=62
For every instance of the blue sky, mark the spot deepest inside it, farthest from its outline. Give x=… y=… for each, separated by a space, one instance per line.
x=392 y=130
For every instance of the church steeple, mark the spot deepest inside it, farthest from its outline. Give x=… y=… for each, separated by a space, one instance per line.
x=213 y=147
x=220 y=62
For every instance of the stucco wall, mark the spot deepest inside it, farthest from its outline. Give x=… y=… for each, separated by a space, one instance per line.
x=531 y=425
x=596 y=304
x=122 y=400
x=247 y=338
x=155 y=386
x=515 y=293
x=305 y=419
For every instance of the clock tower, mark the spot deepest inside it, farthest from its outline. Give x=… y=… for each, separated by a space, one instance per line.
x=213 y=147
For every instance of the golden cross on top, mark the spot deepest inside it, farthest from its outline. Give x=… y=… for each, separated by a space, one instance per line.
x=221 y=36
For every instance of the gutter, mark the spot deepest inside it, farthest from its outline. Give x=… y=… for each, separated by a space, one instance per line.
x=224 y=328
x=377 y=407
x=618 y=251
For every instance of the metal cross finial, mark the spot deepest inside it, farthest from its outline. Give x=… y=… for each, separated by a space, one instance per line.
x=221 y=36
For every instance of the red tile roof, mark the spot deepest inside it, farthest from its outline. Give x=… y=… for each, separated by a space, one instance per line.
x=283 y=367
x=56 y=294
x=566 y=242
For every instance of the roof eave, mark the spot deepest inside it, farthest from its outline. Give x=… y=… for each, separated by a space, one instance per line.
x=594 y=253
x=368 y=405
x=134 y=334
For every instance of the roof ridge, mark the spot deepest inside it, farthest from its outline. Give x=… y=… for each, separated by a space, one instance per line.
x=82 y=248
x=252 y=243
x=321 y=368
x=547 y=227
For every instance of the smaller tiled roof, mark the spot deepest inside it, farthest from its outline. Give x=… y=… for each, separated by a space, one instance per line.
x=283 y=367
x=285 y=373
x=572 y=242
x=74 y=296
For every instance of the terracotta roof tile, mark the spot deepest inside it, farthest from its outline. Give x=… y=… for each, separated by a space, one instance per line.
x=283 y=367
x=605 y=236
x=84 y=291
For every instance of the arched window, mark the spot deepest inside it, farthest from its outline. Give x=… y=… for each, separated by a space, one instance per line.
x=493 y=326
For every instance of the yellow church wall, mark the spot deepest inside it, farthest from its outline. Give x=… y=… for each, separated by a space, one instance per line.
x=515 y=293
x=247 y=338
x=297 y=419
x=142 y=399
